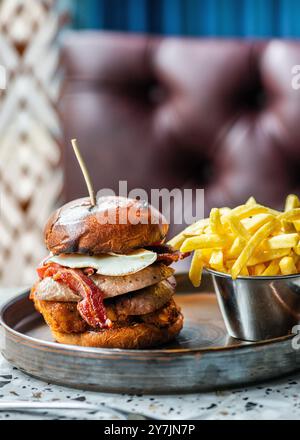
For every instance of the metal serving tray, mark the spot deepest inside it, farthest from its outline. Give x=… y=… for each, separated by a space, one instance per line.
x=203 y=357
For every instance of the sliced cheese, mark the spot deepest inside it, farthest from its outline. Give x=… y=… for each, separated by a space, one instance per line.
x=108 y=264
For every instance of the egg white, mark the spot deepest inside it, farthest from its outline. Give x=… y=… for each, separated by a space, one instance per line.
x=107 y=264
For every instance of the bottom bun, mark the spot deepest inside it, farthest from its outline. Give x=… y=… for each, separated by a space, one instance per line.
x=135 y=336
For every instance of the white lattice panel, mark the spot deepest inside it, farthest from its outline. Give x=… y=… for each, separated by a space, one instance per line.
x=30 y=171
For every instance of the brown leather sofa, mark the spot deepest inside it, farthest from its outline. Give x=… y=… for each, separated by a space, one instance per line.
x=215 y=114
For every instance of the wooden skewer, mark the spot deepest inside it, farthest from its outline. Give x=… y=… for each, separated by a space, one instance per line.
x=84 y=172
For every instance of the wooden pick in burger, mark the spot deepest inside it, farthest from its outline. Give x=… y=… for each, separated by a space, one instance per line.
x=84 y=172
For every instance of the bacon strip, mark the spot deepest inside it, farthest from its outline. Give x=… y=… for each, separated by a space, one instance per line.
x=91 y=307
x=160 y=248
x=169 y=258
x=166 y=253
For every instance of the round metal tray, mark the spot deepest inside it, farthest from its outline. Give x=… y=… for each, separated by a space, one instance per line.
x=202 y=358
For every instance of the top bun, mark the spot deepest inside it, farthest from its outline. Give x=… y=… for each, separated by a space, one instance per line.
x=115 y=224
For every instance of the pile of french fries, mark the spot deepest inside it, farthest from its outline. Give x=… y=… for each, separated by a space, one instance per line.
x=249 y=240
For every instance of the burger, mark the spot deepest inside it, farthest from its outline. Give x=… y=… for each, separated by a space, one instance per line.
x=107 y=281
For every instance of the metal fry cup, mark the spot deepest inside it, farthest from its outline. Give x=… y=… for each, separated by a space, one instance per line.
x=256 y=308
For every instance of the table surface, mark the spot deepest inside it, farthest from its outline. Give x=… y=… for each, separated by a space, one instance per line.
x=279 y=399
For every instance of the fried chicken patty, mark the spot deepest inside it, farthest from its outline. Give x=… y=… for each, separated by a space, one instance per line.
x=65 y=318
x=134 y=336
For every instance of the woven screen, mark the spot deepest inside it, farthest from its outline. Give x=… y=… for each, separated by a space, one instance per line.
x=30 y=171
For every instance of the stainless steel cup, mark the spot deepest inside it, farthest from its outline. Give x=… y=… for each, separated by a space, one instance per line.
x=258 y=308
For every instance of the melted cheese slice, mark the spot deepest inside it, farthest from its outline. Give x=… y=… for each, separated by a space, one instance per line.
x=107 y=264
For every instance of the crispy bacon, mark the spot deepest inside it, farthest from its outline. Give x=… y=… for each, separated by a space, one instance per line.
x=160 y=248
x=41 y=271
x=91 y=307
x=89 y=271
x=169 y=258
x=166 y=254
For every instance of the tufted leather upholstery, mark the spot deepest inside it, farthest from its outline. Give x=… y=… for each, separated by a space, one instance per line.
x=217 y=114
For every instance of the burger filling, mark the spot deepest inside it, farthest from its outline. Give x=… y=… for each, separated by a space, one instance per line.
x=76 y=292
x=91 y=305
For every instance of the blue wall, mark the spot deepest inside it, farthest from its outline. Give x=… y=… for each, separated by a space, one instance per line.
x=245 y=18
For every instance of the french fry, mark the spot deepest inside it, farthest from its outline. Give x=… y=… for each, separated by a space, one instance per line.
x=291 y=202
x=206 y=254
x=282 y=241
x=258 y=269
x=251 y=201
x=228 y=264
x=250 y=239
x=196 y=269
x=245 y=272
x=236 y=226
x=196 y=228
x=215 y=222
x=225 y=210
x=252 y=224
x=245 y=211
x=177 y=241
x=288 y=226
x=236 y=248
x=202 y=241
x=250 y=247
x=207 y=230
x=272 y=269
x=265 y=256
x=271 y=211
x=216 y=261
x=296 y=258
x=287 y=266
x=194 y=233
x=296 y=224
x=292 y=214
x=296 y=249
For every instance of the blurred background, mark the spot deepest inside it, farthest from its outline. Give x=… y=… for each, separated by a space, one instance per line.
x=223 y=18
x=160 y=93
